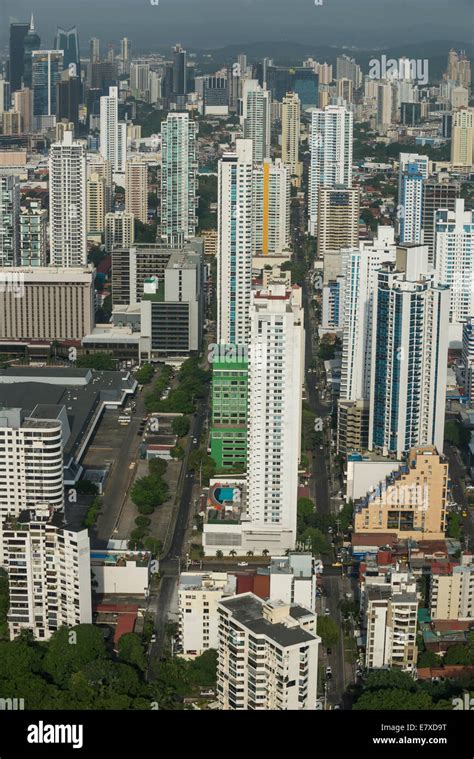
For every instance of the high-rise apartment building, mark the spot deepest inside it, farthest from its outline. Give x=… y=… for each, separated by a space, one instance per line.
x=338 y=219
x=462 y=137
x=178 y=178
x=438 y=192
x=267 y=655
x=256 y=119
x=331 y=154
x=119 y=230
x=454 y=262
x=31 y=458
x=113 y=134
x=360 y=267
x=49 y=575
x=136 y=189
x=33 y=235
x=347 y=68
x=9 y=219
x=96 y=192
x=235 y=244
x=409 y=355
x=67 y=202
x=229 y=407
x=391 y=622
x=385 y=105
x=271 y=209
x=23 y=105
x=290 y=136
x=414 y=169
x=276 y=361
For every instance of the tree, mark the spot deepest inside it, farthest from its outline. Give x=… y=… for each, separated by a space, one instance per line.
x=318 y=542
x=144 y=374
x=70 y=649
x=219 y=555
x=98 y=361
x=328 y=631
x=305 y=507
x=456 y=433
x=148 y=493
x=180 y=426
x=393 y=699
x=428 y=659
x=249 y=553
x=265 y=552
x=130 y=649
x=86 y=487
x=232 y=553
x=143 y=521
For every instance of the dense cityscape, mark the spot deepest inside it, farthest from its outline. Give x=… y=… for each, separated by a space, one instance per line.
x=236 y=377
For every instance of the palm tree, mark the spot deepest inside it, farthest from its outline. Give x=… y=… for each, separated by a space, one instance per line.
x=232 y=553
x=249 y=553
x=265 y=552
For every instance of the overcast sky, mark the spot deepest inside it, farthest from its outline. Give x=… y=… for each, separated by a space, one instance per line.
x=216 y=23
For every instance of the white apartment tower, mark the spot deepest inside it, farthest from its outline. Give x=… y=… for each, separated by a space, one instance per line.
x=9 y=219
x=360 y=266
x=454 y=263
x=49 y=574
x=178 y=178
x=235 y=244
x=275 y=382
x=67 y=203
x=119 y=230
x=267 y=655
x=409 y=355
x=256 y=118
x=290 y=135
x=113 y=134
x=31 y=461
x=462 y=140
x=331 y=154
x=391 y=626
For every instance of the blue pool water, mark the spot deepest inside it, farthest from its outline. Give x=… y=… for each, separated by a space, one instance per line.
x=224 y=494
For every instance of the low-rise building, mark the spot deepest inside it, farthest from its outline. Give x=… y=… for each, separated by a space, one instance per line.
x=452 y=590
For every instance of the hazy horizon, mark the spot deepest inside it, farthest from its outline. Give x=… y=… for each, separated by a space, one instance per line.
x=217 y=23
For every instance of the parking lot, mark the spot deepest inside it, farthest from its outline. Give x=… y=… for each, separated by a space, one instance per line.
x=107 y=441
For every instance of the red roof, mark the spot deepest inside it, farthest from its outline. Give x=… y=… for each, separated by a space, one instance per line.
x=370 y=539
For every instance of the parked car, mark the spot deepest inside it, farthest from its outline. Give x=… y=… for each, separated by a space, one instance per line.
x=243 y=564
x=327 y=612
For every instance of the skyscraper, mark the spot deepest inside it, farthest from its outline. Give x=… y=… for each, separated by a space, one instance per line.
x=178 y=177
x=33 y=235
x=113 y=134
x=47 y=66
x=125 y=55
x=414 y=169
x=462 y=139
x=276 y=376
x=256 y=119
x=18 y=32
x=9 y=220
x=235 y=242
x=68 y=99
x=68 y=42
x=409 y=355
x=94 y=50
x=438 y=192
x=179 y=71
x=136 y=189
x=290 y=135
x=96 y=193
x=331 y=154
x=31 y=42
x=338 y=219
x=67 y=202
x=454 y=263
x=23 y=104
x=271 y=209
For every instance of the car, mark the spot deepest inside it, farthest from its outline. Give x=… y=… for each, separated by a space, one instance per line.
x=464 y=514
x=336 y=564
x=153 y=638
x=207 y=693
x=327 y=612
x=243 y=564
x=195 y=440
x=321 y=447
